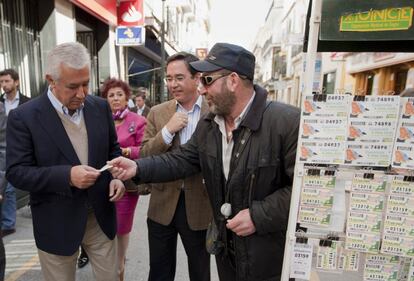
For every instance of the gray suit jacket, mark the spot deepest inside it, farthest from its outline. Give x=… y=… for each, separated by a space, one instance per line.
x=164 y=196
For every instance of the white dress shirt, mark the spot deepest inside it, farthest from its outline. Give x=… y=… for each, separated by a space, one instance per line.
x=187 y=131
x=11 y=104
x=75 y=118
x=228 y=145
x=141 y=110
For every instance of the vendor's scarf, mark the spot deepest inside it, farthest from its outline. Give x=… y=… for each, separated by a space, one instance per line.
x=120 y=114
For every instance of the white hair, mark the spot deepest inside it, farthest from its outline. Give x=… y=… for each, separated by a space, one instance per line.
x=71 y=54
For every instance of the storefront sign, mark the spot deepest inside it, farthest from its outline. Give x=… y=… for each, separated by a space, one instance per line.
x=368 y=20
x=378 y=20
x=131 y=13
x=201 y=53
x=130 y=36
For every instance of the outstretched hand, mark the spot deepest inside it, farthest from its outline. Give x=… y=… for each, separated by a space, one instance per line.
x=123 y=168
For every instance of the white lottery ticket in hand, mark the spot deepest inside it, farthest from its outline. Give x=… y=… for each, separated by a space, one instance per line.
x=106 y=167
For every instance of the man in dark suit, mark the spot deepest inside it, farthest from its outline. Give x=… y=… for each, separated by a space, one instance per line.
x=12 y=98
x=56 y=144
x=177 y=207
x=141 y=108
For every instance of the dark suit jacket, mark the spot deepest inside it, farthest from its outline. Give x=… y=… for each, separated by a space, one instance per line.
x=22 y=98
x=164 y=196
x=39 y=158
x=144 y=113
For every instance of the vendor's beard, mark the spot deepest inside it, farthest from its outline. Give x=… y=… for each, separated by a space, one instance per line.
x=223 y=103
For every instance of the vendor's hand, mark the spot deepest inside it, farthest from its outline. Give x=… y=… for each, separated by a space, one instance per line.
x=123 y=168
x=116 y=190
x=242 y=223
x=83 y=176
x=178 y=121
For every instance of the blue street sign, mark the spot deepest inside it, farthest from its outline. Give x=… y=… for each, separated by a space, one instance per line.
x=130 y=36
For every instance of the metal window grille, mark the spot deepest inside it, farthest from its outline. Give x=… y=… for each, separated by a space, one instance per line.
x=20 y=43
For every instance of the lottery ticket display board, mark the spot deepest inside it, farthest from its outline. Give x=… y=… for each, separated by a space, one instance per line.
x=355 y=210
x=357 y=131
x=403 y=155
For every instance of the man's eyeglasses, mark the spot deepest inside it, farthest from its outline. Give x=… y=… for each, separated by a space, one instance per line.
x=207 y=80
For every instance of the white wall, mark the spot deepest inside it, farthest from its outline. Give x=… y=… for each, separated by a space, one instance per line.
x=109 y=66
x=65 y=29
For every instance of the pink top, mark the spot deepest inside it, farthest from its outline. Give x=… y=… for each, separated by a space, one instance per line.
x=130 y=133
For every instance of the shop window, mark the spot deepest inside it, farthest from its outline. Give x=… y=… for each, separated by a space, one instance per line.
x=370 y=83
x=20 y=43
x=144 y=72
x=400 y=80
x=279 y=65
x=87 y=32
x=2 y=58
x=328 y=85
x=20 y=50
x=87 y=38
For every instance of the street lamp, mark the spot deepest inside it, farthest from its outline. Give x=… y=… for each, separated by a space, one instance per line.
x=162 y=51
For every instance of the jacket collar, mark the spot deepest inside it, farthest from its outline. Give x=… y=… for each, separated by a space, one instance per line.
x=253 y=116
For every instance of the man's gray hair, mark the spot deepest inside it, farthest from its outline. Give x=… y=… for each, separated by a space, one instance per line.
x=71 y=54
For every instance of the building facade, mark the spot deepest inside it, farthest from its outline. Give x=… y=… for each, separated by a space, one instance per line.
x=280 y=51
x=380 y=73
x=29 y=29
x=186 y=24
x=278 y=48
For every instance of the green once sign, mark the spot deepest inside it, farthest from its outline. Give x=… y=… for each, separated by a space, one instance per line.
x=378 y=20
x=367 y=20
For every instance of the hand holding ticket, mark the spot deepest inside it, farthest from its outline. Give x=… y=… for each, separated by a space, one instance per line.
x=83 y=176
x=123 y=168
x=106 y=167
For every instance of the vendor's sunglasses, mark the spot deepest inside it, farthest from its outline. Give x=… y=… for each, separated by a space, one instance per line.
x=207 y=80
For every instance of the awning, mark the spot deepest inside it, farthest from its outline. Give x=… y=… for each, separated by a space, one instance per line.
x=102 y=9
x=365 y=26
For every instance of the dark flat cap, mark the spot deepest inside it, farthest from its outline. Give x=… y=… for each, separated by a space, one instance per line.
x=227 y=56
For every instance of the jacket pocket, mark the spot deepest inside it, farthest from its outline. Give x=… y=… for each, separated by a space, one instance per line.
x=267 y=174
x=268 y=160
